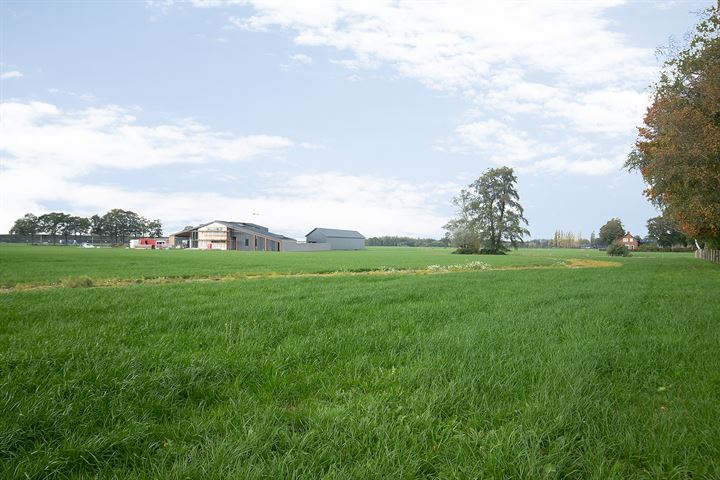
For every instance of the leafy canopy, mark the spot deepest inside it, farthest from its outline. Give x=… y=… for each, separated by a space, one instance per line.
x=117 y=223
x=490 y=216
x=678 y=147
x=665 y=230
x=613 y=230
x=27 y=225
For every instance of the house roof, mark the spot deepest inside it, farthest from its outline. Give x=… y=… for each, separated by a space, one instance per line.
x=245 y=226
x=337 y=233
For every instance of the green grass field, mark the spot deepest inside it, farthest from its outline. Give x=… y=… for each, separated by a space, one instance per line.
x=47 y=265
x=508 y=372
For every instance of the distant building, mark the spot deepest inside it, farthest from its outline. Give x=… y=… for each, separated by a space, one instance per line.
x=337 y=239
x=629 y=241
x=223 y=235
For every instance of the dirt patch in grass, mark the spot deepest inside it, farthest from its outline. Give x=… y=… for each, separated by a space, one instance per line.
x=585 y=263
x=88 y=282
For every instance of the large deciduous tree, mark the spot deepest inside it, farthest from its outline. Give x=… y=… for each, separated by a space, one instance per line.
x=27 y=225
x=490 y=216
x=678 y=147
x=53 y=223
x=665 y=230
x=154 y=228
x=121 y=224
x=611 y=231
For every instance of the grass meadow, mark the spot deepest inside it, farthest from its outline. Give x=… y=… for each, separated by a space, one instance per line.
x=527 y=369
x=47 y=265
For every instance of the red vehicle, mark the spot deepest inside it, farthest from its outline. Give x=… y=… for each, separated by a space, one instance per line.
x=151 y=243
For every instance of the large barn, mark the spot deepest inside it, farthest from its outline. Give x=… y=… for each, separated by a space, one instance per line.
x=337 y=239
x=222 y=235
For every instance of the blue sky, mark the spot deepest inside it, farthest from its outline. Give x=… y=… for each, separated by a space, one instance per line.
x=365 y=115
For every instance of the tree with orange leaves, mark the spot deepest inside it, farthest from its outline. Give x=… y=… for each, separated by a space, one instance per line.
x=678 y=147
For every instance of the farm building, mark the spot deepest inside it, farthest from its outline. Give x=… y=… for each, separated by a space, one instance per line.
x=630 y=242
x=222 y=235
x=337 y=239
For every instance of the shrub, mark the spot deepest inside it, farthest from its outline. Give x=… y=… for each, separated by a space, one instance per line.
x=466 y=250
x=651 y=247
x=83 y=281
x=491 y=251
x=471 y=250
x=617 y=249
x=682 y=249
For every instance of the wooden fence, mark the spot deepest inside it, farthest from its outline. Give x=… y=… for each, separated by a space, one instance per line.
x=710 y=255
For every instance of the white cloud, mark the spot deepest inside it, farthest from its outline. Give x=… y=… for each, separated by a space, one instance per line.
x=499 y=142
x=560 y=164
x=356 y=63
x=556 y=65
x=39 y=133
x=216 y=3
x=301 y=58
x=504 y=144
x=297 y=59
x=10 y=74
x=164 y=4
x=312 y=146
x=85 y=97
x=463 y=43
x=47 y=151
x=606 y=111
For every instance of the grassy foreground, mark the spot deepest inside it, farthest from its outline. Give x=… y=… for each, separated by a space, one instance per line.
x=556 y=373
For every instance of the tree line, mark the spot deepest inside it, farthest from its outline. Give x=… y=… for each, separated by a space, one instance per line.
x=394 y=241
x=663 y=231
x=562 y=239
x=117 y=224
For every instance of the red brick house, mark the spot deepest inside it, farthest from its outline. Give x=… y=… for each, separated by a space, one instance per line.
x=629 y=241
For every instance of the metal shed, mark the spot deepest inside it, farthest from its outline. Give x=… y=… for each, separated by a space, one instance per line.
x=337 y=239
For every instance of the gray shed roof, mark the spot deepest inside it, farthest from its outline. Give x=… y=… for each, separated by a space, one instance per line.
x=336 y=233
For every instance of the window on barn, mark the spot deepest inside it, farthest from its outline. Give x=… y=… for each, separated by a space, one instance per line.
x=247 y=242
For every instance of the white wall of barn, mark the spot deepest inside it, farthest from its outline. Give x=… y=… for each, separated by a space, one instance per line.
x=213 y=237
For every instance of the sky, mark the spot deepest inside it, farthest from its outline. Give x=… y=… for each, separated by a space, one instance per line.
x=365 y=115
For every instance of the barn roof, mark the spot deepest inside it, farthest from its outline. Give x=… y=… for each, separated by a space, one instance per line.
x=246 y=226
x=337 y=233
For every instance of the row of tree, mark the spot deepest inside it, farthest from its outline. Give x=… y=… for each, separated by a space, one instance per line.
x=562 y=239
x=663 y=230
x=490 y=220
x=393 y=241
x=117 y=224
